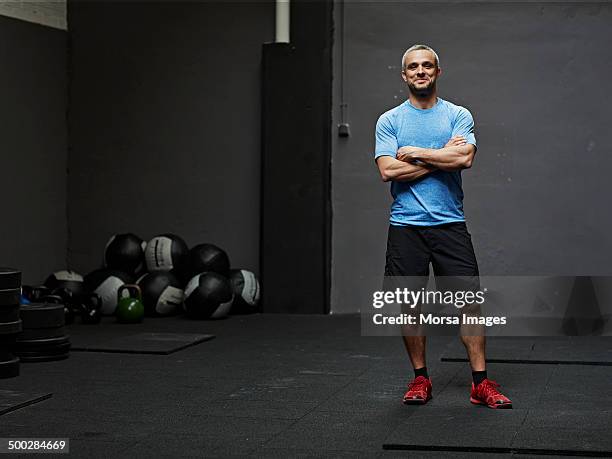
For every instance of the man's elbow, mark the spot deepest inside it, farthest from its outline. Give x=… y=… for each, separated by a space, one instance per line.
x=468 y=160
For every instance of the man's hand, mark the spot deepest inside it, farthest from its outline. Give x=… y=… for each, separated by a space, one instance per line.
x=407 y=153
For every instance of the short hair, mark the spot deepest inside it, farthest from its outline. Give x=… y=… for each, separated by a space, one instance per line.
x=417 y=47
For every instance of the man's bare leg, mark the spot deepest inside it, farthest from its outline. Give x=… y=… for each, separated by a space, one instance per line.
x=419 y=390
x=489 y=395
x=415 y=346
x=475 y=347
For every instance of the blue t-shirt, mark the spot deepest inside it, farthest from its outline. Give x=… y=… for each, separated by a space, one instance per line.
x=437 y=197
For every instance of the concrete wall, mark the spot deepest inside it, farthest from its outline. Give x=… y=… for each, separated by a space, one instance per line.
x=165 y=124
x=33 y=148
x=536 y=78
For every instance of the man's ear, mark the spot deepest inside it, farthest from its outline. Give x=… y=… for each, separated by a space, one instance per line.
x=404 y=76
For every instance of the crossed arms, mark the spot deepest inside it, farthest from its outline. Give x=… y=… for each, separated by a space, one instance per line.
x=415 y=162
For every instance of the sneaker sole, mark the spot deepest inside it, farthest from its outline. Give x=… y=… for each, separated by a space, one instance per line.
x=416 y=401
x=502 y=406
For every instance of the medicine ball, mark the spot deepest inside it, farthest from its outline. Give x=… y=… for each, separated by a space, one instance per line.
x=208 y=296
x=167 y=252
x=105 y=283
x=162 y=293
x=67 y=279
x=208 y=258
x=125 y=252
x=246 y=291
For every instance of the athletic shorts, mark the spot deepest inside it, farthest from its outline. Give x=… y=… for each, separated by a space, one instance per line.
x=448 y=247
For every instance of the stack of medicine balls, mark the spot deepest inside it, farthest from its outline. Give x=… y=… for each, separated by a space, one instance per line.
x=171 y=278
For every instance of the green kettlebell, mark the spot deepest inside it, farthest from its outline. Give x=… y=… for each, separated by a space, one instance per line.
x=130 y=309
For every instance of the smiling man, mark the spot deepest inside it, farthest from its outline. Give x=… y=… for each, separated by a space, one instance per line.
x=422 y=146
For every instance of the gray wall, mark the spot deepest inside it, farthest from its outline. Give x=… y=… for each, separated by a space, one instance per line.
x=165 y=124
x=536 y=78
x=33 y=148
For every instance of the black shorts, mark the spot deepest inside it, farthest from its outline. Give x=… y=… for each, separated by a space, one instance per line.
x=448 y=247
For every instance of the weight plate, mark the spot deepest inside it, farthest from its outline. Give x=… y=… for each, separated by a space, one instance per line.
x=7 y=341
x=42 y=342
x=5 y=355
x=9 y=313
x=52 y=350
x=40 y=352
x=45 y=358
x=10 y=278
x=42 y=315
x=10 y=368
x=10 y=328
x=41 y=333
x=10 y=296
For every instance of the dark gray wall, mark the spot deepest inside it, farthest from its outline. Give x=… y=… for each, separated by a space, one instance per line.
x=296 y=164
x=33 y=145
x=165 y=124
x=536 y=78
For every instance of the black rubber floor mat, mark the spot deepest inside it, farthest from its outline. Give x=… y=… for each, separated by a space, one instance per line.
x=471 y=426
x=543 y=350
x=11 y=400
x=139 y=343
x=560 y=429
x=555 y=413
x=535 y=432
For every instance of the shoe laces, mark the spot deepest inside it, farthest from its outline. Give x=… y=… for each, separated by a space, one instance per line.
x=419 y=383
x=489 y=387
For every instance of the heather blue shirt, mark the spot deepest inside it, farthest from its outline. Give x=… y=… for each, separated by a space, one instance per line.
x=437 y=197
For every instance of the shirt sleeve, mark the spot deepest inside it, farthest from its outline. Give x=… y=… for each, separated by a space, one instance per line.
x=386 y=139
x=464 y=125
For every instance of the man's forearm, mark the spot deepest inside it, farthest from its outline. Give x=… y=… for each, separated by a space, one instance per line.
x=447 y=158
x=399 y=171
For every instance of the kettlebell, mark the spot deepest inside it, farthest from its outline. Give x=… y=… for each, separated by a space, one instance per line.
x=68 y=311
x=91 y=309
x=130 y=309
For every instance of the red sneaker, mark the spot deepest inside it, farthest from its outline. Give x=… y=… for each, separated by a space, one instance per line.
x=486 y=393
x=419 y=391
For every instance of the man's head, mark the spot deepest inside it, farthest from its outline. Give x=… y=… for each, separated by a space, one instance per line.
x=420 y=69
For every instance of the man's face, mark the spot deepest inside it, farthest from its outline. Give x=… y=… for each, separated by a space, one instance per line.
x=420 y=71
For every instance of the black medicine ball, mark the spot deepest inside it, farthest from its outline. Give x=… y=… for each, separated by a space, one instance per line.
x=67 y=279
x=208 y=258
x=162 y=293
x=208 y=296
x=246 y=291
x=125 y=252
x=106 y=283
x=167 y=252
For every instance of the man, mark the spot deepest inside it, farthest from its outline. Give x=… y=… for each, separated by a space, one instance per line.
x=421 y=147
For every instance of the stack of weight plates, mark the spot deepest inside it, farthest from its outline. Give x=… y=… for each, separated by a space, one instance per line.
x=10 y=324
x=43 y=337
